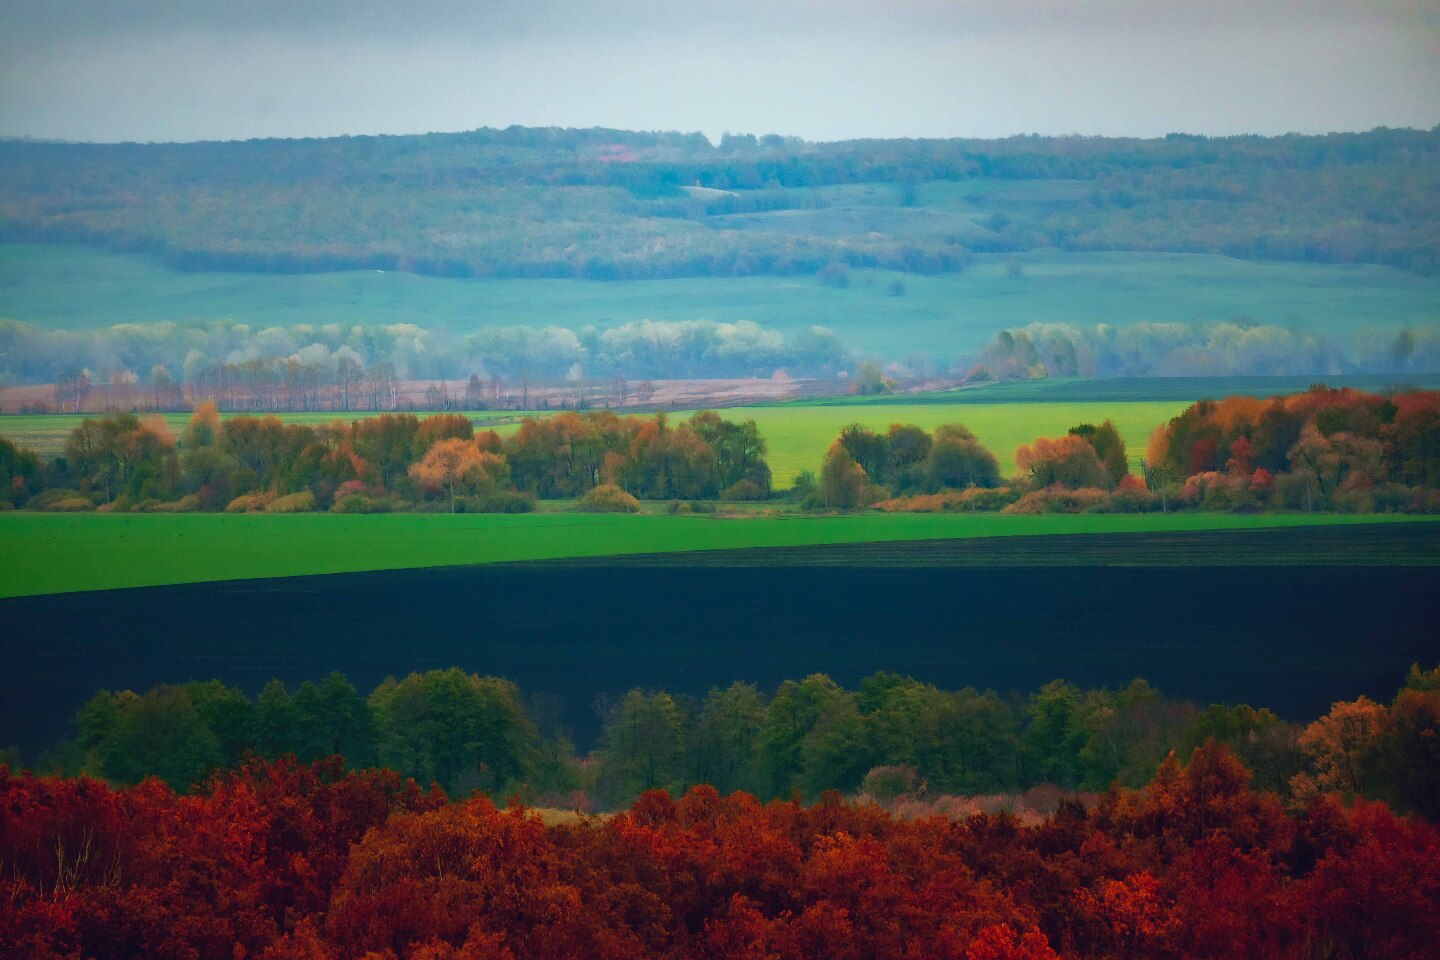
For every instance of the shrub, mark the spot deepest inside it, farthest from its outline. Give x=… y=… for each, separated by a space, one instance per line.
x=186 y=504
x=607 y=498
x=921 y=503
x=1425 y=501
x=1219 y=491
x=994 y=498
x=360 y=503
x=70 y=505
x=1131 y=496
x=42 y=500
x=692 y=506
x=249 y=503
x=302 y=502
x=743 y=490
x=887 y=783
x=1057 y=499
x=495 y=501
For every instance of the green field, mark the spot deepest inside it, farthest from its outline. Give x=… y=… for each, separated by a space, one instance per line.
x=46 y=553
x=945 y=315
x=797 y=435
x=1127 y=389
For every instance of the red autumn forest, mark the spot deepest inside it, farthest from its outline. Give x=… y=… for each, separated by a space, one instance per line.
x=274 y=858
x=284 y=860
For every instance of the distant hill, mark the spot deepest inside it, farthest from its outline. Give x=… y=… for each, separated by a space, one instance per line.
x=611 y=204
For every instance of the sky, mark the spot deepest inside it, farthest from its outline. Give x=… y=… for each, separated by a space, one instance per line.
x=142 y=70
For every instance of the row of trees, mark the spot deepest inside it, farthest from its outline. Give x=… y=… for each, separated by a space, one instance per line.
x=387 y=462
x=1233 y=348
x=330 y=367
x=893 y=738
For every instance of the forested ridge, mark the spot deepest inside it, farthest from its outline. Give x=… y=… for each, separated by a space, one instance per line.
x=610 y=204
x=275 y=858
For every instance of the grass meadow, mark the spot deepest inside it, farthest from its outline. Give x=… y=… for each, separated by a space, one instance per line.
x=946 y=315
x=61 y=553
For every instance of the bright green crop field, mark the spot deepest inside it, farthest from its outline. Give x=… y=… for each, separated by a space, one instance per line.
x=797 y=436
x=57 y=553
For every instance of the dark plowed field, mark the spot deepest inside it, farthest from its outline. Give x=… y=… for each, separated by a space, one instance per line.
x=1294 y=638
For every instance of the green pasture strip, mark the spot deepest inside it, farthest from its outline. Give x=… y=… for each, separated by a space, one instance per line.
x=1127 y=390
x=946 y=315
x=48 y=553
x=46 y=433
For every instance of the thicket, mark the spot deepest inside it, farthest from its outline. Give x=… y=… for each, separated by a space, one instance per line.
x=1325 y=449
x=610 y=204
x=389 y=462
x=1339 y=450
x=897 y=740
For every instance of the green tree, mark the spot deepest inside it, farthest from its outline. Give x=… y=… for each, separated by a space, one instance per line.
x=968 y=742
x=160 y=733
x=1053 y=737
x=1109 y=446
x=228 y=714
x=642 y=747
x=789 y=717
x=957 y=460
x=835 y=753
x=460 y=730
x=721 y=744
x=277 y=722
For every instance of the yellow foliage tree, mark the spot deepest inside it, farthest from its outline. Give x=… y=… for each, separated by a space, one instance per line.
x=457 y=463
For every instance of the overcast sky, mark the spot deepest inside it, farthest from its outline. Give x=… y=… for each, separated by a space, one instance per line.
x=821 y=69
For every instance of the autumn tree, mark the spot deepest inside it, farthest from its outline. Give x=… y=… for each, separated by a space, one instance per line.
x=457 y=463
x=1342 y=747
x=1069 y=461
x=1109 y=447
x=842 y=480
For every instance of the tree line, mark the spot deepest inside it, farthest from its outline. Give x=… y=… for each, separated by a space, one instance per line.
x=389 y=462
x=1234 y=348
x=1325 y=449
x=167 y=366
x=609 y=204
x=894 y=739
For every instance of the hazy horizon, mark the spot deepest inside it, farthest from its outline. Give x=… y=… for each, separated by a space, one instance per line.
x=170 y=70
